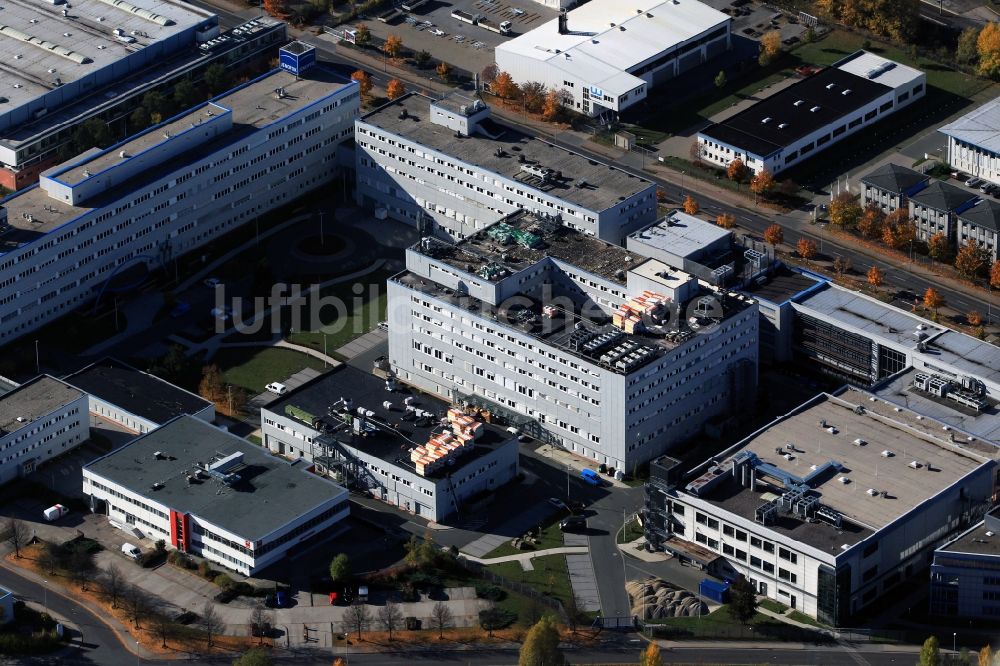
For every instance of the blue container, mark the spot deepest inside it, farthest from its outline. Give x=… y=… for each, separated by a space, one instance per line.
x=714 y=590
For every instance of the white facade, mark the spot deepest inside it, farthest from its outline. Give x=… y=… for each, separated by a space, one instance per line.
x=974 y=142
x=138 y=424
x=39 y=420
x=167 y=191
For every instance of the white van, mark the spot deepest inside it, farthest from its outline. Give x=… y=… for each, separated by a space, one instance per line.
x=275 y=387
x=131 y=551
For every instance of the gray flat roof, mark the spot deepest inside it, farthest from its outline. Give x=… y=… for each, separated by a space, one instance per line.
x=80 y=43
x=979 y=127
x=781 y=285
x=681 y=234
x=967 y=354
x=33 y=400
x=978 y=540
x=607 y=185
x=271 y=493
x=941 y=463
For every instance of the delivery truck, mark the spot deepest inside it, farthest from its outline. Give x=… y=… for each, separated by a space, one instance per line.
x=502 y=28
x=55 y=512
x=465 y=16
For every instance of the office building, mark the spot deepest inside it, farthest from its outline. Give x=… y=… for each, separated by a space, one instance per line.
x=39 y=420
x=604 y=56
x=980 y=223
x=695 y=246
x=134 y=399
x=577 y=341
x=212 y=494
x=406 y=448
x=965 y=573
x=828 y=508
x=450 y=169
x=890 y=186
x=934 y=209
x=974 y=142
x=162 y=193
x=804 y=119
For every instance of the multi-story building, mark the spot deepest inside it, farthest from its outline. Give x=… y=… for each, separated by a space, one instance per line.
x=603 y=56
x=580 y=342
x=980 y=223
x=695 y=246
x=890 y=186
x=974 y=142
x=829 y=507
x=39 y=420
x=965 y=573
x=168 y=191
x=112 y=75
x=134 y=399
x=212 y=494
x=802 y=120
x=449 y=169
x=934 y=209
x=388 y=440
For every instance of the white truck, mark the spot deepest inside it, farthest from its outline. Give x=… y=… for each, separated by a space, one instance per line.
x=55 y=512
x=502 y=28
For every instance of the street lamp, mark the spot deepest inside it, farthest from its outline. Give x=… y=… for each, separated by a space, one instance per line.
x=954 y=638
x=45 y=595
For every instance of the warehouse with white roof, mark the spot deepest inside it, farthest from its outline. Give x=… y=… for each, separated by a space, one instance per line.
x=974 y=142
x=606 y=54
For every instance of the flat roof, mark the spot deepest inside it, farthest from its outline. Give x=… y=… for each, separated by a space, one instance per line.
x=977 y=540
x=983 y=424
x=499 y=250
x=868 y=65
x=270 y=494
x=145 y=395
x=782 y=285
x=941 y=464
x=606 y=38
x=33 y=400
x=394 y=436
x=253 y=105
x=70 y=47
x=681 y=234
x=967 y=354
x=605 y=185
x=979 y=127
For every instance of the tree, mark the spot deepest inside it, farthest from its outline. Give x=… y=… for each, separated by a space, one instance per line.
x=720 y=79
x=737 y=170
x=841 y=265
x=421 y=58
x=395 y=89
x=774 y=235
x=276 y=8
x=81 y=567
x=933 y=300
x=157 y=106
x=897 y=229
x=136 y=604
x=807 y=248
x=48 y=559
x=937 y=246
x=390 y=617
x=260 y=618
x=967 y=51
x=211 y=387
x=443 y=71
x=541 y=645
x=726 y=220
x=362 y=35
x=986 y=656
x=972 y=259
x=185 y=95
x=533 y=96
x=340 y=568
x=988 y=47
x=930 y=653
x=762 y=183
x=18 y=534
x=112 y=583
x=489 y=74
x=691 y=206
x=651 y=655
x=503 y=86
x=743 y=600
x=254 y=657
x=870 y=224
x=138 y=120
x=974 y=318
x=364 y=83
x=210 y=621
x=217 y=78
x=392 y=46
x=552 y=109
x=356 y=619
x=420 y=552
x=995 y=274
x=93 y=133
x=163 y=626
x=695 y=152
x=770 y=47
x=845 y=211
x=441 y=618
x=573 y=609
x=875 y=277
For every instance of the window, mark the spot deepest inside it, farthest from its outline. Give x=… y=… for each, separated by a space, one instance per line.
x=869 y=574
x=741 y=555
x=756 y=542
x=755 y=561
x=786 y=554
x=870 y=549
x=713 y=524
x=727 y=549
x=728 y=530
x=768 y=567
x=784 y=574
x=741 y=535
x=701 y=518
x=768 y=547
x=678 y=509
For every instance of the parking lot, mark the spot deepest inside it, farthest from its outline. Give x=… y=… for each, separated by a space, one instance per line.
x=430 y=27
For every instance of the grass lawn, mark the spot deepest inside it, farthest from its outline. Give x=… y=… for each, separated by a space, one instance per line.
x=720 y=624
x=362 y=314
x=804 y=619
x=254 y=368
x=550 y=575
x=255 y=439
x=631 y=532
x=772 y=605
x=551 y=537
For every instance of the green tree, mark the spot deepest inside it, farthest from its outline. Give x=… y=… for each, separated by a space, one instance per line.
x=93 y=133
x=930 y=653
x=541 y=645
x=157 y=106
x=967 y=53
x=138 y=120
x=720 y=79
x=845 y=211
x=362 y=35
x=185 y=94
x=340 y=568
x=743 y=600
x=421 y=58
x=217 y=79
x=254 y=657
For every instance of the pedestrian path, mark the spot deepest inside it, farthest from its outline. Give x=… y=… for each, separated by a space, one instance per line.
x=514 y=527
x=526 y=556
x=582 y=575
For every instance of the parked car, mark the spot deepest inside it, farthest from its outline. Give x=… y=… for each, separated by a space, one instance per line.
x=591 y=477
x=55 y=512
x=573 y=523
x=277 y=388
x=131 y=551
x=557 y=503
x=438 y=32
x=986 y=187
x=383 y=326
x=973 y=182
x=517 y=11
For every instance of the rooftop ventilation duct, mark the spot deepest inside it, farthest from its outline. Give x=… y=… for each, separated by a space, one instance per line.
x=43 y=44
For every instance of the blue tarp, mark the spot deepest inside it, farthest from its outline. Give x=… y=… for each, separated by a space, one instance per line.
x=714 y=590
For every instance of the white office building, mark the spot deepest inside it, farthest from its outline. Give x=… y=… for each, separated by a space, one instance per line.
x=212 y=494
x=39 y=420
x=451 y=170
x=577 y=341
x=974 y=142
x=828 y=508
x=167 y=191
x=965 y=573
x=605 y=56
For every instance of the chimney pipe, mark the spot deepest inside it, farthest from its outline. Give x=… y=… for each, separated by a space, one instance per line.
x=563 y=27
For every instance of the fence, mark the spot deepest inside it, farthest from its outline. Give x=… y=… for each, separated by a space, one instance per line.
x=521 y=588
x=706 y=629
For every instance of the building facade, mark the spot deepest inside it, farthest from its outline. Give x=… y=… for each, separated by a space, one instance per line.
x=980 y=223
x=167 y=191
x=974 y=144
x=39 y=420
x=449 y=169
x=935 y=209
x=965 y=573
x=890 y=186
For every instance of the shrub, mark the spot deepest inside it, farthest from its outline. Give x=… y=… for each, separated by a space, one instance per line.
x=408 y=593
x=496 y=618
x=491 y=592
x=20 y=644
x=224 y=582
x=204 y=570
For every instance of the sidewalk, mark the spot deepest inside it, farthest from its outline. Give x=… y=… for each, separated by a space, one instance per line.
x=575 y=462
x=526 y=557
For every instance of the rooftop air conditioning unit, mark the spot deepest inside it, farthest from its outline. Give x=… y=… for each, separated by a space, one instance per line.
x=844 y=480
x=859 y=442
x=887 y=454
x=872 y=492
x=915 y=465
